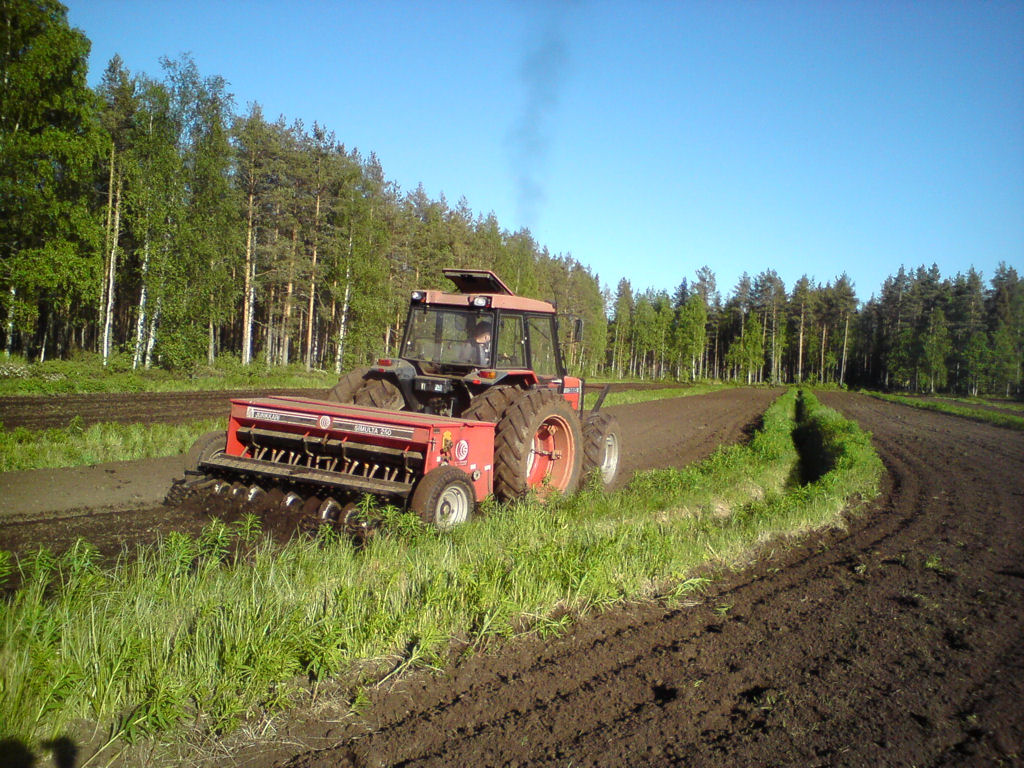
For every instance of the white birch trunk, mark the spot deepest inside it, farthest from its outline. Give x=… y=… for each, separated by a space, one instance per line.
x=312 y=289
x=101 y=310
x=108 y=317
x=9 y=342
x=343 y=325
x=249 y=298
x=154 y=323
x=140 y=322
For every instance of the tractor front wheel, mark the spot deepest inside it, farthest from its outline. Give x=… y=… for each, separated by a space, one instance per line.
x=537 y=447
x=444 y=498
x=601 y=440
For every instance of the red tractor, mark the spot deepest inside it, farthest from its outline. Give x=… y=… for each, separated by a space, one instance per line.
x=477 y=403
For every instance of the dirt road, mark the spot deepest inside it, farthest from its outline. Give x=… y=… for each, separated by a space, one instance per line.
x=897 y=642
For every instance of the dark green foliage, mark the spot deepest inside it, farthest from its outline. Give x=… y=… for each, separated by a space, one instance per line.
x=48 y=143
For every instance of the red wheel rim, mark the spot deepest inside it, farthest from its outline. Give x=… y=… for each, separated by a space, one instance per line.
x=549 y=465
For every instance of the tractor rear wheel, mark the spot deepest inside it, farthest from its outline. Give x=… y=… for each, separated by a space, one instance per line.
x=537 y=447
x=380 y=393
x=601 y=440
x=361 y=387
x=491 y=404
x=444 y=498
x=345 y=390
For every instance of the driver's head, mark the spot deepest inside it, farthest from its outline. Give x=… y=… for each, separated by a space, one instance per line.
x=482 y=332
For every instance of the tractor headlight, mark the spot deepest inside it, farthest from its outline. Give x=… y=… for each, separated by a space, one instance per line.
x=481 y=302
x=419 y=295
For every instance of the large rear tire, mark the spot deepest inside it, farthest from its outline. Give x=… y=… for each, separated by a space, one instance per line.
x=380 y=393
x=537 y=447
x=361 y=387
x=491 y=404
x=345 y=390
x=444 y=498
x=601 y=441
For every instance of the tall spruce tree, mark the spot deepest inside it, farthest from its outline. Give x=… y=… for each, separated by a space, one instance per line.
x=49 y=234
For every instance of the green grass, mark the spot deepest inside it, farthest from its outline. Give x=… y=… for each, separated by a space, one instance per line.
x=975 y=414
x=77 y=445
x=997 y=402
x=87 y=374
x=201 y=634
x=630 y=396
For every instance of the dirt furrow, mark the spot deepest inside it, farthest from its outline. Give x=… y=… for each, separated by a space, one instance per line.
x=894 y=642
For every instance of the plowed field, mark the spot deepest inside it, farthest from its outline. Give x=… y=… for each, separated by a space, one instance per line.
x=896 y=642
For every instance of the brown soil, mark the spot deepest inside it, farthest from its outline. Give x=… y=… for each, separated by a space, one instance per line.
x=894 y=642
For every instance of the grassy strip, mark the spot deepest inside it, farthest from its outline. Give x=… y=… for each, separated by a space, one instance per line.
x=975 y=414
x=76 y=445
x=1009 y=405
x=204 y=632
x=630 y=396
x=57 y=377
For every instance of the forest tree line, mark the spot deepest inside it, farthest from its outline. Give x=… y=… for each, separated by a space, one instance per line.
x=923 y=332
x=149 y=220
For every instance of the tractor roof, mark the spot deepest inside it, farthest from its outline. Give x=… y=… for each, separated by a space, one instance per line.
x=477 y=281
x=482 y=282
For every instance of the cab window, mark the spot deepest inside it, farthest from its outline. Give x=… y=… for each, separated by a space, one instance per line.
x=542 y=346
x=511 y=341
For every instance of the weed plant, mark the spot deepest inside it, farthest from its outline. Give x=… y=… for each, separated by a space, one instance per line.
x=205 y=632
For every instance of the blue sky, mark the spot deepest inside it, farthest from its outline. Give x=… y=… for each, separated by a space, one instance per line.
x=648 y=139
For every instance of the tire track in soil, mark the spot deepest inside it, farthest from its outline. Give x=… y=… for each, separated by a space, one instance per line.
x=894 y=642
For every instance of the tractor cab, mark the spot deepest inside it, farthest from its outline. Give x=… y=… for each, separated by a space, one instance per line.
x=457 y=345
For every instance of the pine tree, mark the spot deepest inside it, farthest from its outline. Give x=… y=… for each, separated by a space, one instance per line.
x=937 y=346
x=49 y=141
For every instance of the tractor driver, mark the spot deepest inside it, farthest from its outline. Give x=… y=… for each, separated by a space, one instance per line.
x=478 y=349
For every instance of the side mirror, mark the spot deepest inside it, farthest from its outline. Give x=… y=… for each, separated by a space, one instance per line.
x=574 y=334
